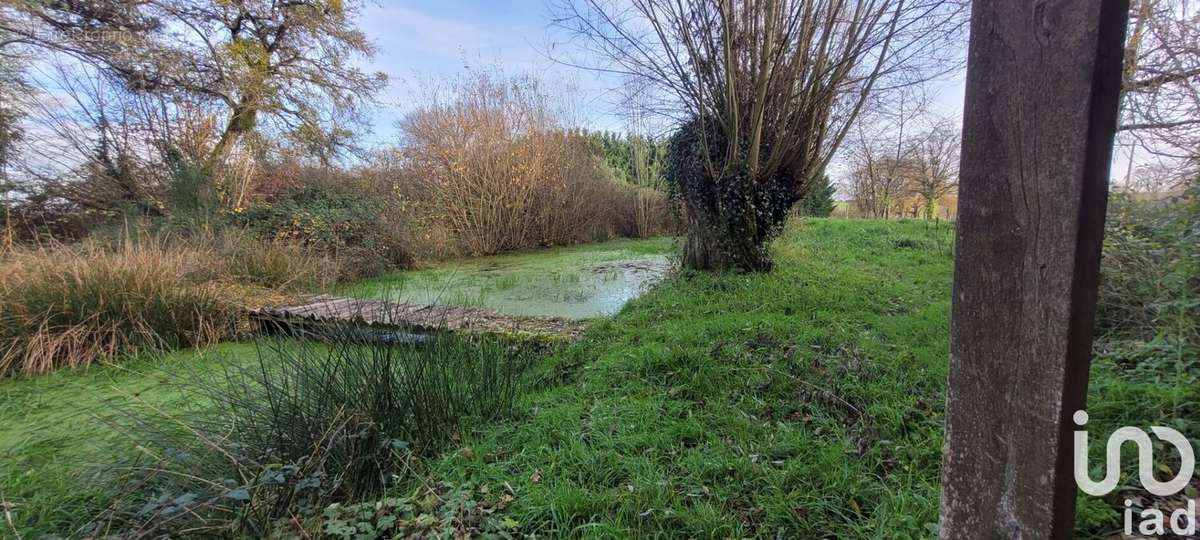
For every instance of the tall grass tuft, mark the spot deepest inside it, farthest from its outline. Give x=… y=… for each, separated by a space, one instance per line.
x=275 y=264
x=71 y=306
x=307 y=423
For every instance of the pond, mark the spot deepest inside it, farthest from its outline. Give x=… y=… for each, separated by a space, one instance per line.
x=577 y=282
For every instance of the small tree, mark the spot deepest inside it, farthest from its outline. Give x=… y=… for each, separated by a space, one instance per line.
x=10 y=133
x=10 y=117
x=766 y=91
x=935 y=160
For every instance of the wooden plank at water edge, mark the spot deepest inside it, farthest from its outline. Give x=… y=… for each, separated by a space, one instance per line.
x=329 y=309
x=1043 y=81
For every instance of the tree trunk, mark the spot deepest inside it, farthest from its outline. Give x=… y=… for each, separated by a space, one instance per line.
x=241 y=120
x=714 y=244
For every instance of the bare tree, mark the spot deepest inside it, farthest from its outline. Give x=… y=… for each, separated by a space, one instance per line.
x=1157 y=178
x=907 y=175
x=91 y=143
x=881 y=175
x=1160 y=110
x=882 y=155
x=935 y=164
x=767 y=89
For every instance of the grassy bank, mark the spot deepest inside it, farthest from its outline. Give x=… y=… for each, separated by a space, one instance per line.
x=806 y=402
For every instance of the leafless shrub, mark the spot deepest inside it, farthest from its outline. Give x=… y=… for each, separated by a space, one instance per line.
x=495 y=166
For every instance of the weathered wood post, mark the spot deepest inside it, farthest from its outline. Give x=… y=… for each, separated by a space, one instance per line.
x=1043 y=79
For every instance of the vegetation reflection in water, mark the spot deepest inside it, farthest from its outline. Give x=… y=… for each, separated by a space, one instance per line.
x=573 y=282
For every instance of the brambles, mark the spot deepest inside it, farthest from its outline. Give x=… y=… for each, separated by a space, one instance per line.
x=1148 y=317
x=348 y=226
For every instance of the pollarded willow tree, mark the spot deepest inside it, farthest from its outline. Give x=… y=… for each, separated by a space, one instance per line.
x=764 y=90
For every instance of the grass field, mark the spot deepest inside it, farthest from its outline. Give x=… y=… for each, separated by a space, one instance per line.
x=804 y=402
x=59 y=431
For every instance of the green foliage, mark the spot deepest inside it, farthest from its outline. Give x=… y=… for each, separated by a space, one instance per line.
x=448 y=511
x=10 y=133
x=818 y=199
x=10 y=130
x=346 y=225
x=731 y=218
x=634 y=159
x=191 y=193
x=1148 y=318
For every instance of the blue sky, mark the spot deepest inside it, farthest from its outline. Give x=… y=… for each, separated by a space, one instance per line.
x=423 y=40
x=420 y=40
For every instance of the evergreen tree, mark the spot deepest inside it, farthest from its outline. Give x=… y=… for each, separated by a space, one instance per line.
x=818 y=202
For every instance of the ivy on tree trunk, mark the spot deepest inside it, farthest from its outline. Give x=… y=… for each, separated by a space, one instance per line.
x=732 y=215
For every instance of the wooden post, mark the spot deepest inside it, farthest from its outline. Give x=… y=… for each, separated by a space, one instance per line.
x=1043 y=81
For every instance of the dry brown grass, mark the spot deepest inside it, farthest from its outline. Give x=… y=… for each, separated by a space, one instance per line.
x=71 y=306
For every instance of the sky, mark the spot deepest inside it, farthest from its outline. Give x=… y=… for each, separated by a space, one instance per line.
x=420 y=40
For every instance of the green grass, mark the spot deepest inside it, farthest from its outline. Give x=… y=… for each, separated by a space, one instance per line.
x=806 y=402
x=58 y=430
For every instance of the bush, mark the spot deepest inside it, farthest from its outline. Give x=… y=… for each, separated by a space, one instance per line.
x=1148 y=316
x=334 y=222
x=307 y=424
x=498 y=170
